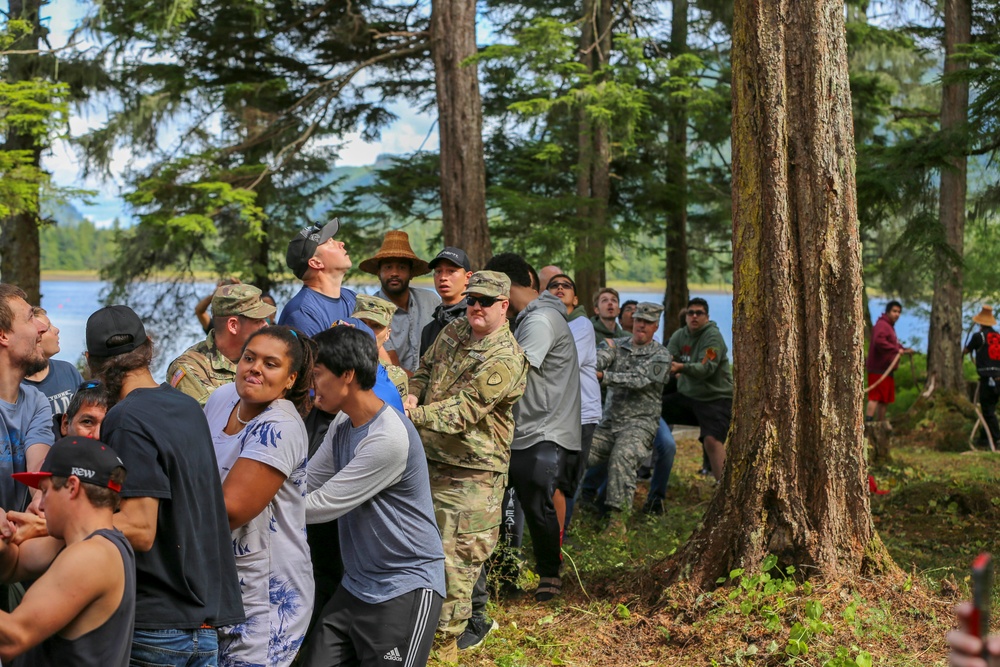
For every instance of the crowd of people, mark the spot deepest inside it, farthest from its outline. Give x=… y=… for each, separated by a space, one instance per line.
x=333 y=488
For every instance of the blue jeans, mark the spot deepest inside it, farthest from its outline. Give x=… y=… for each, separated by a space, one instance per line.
x=595 y=480
x=175 y=648
x=664 y=451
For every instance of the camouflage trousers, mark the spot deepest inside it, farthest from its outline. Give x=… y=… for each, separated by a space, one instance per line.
x=623 y=451
x=467 y=508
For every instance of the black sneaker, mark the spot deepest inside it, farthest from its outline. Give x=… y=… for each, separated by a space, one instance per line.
x=476 y=631
x=653 y=506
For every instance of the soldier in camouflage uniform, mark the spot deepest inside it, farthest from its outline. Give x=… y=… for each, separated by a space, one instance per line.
x=466 y=387
x=377 y=314
x=204 y=367
x=634 y=370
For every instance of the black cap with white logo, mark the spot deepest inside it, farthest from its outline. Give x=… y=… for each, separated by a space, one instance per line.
x=90 y=460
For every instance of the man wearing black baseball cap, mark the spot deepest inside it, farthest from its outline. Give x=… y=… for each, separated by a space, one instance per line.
x=452 y=270
x=320 y=261
x=84 y=563
x=172 y=510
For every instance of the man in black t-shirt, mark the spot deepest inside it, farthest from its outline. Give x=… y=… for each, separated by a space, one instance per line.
x=172 y=510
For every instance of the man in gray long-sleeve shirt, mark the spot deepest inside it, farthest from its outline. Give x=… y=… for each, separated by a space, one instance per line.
x=370 y=472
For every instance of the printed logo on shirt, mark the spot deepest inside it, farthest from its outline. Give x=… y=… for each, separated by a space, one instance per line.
x=393 y=655
x=710 y=355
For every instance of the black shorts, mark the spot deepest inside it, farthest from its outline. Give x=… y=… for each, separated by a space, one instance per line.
x=575 y=463
x=354 y=632
x=712 y=417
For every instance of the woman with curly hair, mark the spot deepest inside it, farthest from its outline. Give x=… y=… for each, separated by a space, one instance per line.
x=261 y=446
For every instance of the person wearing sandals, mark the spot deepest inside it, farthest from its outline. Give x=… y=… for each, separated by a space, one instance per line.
x=261 y=446
x=547 y=431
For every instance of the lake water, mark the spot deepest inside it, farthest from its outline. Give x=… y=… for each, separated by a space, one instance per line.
x=71 y=303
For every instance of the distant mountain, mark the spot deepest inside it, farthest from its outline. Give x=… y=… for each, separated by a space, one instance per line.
x=61 y=213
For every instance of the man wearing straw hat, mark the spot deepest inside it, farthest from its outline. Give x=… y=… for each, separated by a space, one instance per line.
x=395 y=264
x=985 y=349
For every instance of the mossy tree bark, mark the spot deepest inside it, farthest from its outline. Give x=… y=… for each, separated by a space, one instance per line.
x=460 y=126
x=944 y=350
x=794 y=484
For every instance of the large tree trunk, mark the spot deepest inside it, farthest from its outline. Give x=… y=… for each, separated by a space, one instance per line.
x=794 y=483
x=676 y=295
x=944 y=360
x=20 y=251
x=460 y=126
x=593 y=181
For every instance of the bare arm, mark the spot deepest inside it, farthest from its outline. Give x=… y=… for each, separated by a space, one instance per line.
x=137 y=520
x=76 y=581
x=248 y=488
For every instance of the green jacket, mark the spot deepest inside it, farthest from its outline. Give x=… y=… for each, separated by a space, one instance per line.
x=705 y=375
x=603 y=333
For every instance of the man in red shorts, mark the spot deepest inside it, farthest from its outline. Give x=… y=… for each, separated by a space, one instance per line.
x=883 y=356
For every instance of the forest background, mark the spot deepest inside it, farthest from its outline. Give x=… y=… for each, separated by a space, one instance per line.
x=605 y=137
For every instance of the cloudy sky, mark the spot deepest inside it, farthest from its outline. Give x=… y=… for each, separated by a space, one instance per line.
x=410 y=131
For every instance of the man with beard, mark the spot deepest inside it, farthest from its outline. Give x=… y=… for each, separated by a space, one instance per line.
x=172 y=509
x=452 y=270
x=25 y=416
x=59 y=379
x=395 y=264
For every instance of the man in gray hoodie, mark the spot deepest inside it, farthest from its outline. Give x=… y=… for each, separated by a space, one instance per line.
x=546 y=446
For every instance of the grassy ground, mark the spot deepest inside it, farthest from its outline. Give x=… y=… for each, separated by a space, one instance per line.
x=940 y=512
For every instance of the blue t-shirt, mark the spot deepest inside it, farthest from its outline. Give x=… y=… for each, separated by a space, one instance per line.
x=59 y=385
x=390 y=542
x=311 y=312
x=22 y=424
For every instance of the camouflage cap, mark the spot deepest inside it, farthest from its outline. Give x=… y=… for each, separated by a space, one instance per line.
x=374 y=309
x=242 y=300
x=648 y=311
x=489 y=283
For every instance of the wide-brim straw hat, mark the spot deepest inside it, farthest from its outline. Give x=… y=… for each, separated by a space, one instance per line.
x=395 y=245
x=985 y=317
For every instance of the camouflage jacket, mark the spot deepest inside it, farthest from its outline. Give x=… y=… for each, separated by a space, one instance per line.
x=200 y=370
x=398 y=377
x=634 y=377
x=467 y=390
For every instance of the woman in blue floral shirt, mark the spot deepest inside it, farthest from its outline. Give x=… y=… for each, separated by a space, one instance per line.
x=261 y=446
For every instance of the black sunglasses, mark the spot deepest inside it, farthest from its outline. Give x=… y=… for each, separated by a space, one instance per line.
x=484 y=301
x=696 y=313
x=553 y=286
x=89 y=384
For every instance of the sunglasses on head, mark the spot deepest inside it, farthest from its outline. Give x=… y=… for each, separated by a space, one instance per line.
x=89 y=384
x=695 y=313
x=553 y=286
x=484 y=301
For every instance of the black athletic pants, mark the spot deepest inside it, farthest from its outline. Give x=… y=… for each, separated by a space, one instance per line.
x=534 y=473
x=352 y=632
x=989 y=393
